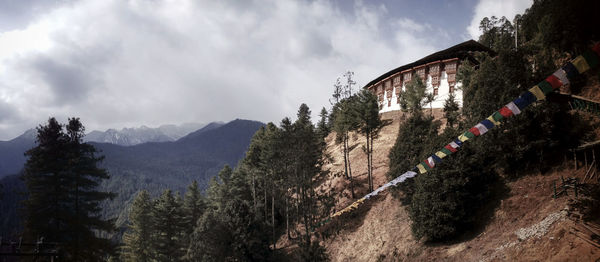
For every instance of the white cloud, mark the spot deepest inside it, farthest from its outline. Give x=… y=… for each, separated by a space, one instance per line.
x=488 y=8
x=121 y=63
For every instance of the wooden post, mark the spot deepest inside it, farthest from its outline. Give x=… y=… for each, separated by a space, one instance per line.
x=575 y=158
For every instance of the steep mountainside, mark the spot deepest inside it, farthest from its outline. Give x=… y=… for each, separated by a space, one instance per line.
x=526 y=223
x=11 y=152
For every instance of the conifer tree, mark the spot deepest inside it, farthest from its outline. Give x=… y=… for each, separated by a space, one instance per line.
x=229 y=230
x=369 y=123
x=344 y=121
x=322 y=126
x=193 y=207
x=308 y=165
x=140 y=232
x=451 y=113
x=168 y=228
x=415 y=95
x=62 y=177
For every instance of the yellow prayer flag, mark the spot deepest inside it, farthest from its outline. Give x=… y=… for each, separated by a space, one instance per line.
x=421 y=168
x=496 y=123
x=440 y=154
x=580 y=63
x=463 y=138
x=537 y=92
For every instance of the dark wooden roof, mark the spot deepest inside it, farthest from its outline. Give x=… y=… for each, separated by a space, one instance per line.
x=461 y=51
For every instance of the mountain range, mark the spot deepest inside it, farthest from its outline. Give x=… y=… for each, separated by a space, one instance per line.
x=144 y=134
x=153 y=166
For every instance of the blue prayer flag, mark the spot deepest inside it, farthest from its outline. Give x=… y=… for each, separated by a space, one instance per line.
x=487 y=123
x=521 y=103
x=570 y=70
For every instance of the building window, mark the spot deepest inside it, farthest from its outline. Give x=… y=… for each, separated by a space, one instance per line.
x=451 y=89
x=435 y=91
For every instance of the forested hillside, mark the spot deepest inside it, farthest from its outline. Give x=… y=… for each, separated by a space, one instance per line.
x=155 y=167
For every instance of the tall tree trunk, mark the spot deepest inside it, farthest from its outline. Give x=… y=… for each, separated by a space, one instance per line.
x=273 y=216
x=369 y=177
x=345 y=150
x=266 y=206
x=349 y=167
x=254 y=192
x=371 y=158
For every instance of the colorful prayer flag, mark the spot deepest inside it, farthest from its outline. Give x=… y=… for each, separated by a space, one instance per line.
x=450 y=148
x=505 y=112
x=554 y=81
x=591 y=58
x=474 y=130
x=570 y=70
x=430 y=162
x=537 y=92
x=562 y=76
x=421 y=169
x=457 y=143
x=513 y=108
x=580 y=63
x=425 y=165
x=498 y=117
x=440 y=154
x=446 y=151
x=491 y=119
x=523 y=101
x=463 y=138
x=482 y=128
x=596 y=49
x=436 y=159
x=545 y=87
x=487 y=123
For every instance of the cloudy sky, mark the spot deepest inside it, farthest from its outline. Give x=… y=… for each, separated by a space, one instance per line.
x=126 y=63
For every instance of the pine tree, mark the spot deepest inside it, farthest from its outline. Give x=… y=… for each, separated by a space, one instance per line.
x=62 y=177
x=415 y=96
x=193 y=207
x=168 y=227
x=307 y=166
x=451 y=113
x=139 y=236
x=344 y=121
x=369 y=123
x=229 y=230
x=322 y=126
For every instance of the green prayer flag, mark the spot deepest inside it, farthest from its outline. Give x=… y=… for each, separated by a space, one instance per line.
x=446 y=151
x=546 y=87
x=591 y=58
x=469 y=134
x=497 y=116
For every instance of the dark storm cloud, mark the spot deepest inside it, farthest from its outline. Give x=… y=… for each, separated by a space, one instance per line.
x=15 y=14
x=68 y=82
x=118 y=63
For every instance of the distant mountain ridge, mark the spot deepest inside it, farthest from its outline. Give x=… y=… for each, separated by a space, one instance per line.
x=153 y=166
x=143 y=134
x=11 y=151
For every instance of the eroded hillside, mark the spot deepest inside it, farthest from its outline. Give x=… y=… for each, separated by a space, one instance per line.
x=526 y=222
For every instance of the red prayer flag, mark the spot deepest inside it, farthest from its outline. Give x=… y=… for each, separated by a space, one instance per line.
x=554 y=81
x=505 y=112
x=475 y=131
x=596 y=48
x=428 y=164
x=449 y=147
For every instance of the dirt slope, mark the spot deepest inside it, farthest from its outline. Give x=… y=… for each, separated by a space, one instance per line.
x=527 y=225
